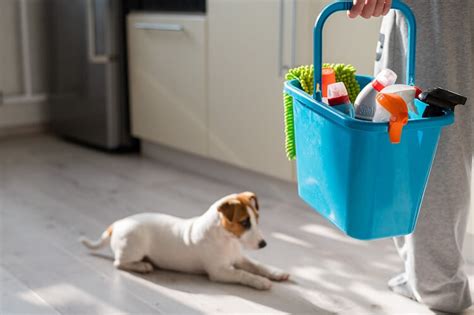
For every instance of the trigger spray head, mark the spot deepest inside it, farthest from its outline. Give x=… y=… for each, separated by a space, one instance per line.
x=398 y=109
x=439 y=101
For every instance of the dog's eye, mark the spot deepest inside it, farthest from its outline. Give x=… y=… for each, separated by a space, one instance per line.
x=246 y=224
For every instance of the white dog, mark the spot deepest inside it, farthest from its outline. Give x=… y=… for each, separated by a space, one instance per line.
x=208 y=244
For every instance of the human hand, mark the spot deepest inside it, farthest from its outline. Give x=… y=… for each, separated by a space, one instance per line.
x=369 y=8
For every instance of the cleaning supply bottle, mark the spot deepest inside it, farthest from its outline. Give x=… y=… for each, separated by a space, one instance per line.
x=328 y=76
x=365 y=101
x=408 y=92
x=391 y=107
x=339 y=99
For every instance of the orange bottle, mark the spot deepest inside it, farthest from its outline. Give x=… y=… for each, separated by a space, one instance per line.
x=328 y=77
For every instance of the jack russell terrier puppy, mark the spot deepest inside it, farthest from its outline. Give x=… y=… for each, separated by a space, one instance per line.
x=210 y=244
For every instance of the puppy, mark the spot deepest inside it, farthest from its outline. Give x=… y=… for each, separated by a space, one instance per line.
x=210 y=244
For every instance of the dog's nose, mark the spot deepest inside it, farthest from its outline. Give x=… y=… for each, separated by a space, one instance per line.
x=262 y=244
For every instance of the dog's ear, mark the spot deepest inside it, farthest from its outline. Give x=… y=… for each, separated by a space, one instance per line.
x=229 y=209
x=251 y=197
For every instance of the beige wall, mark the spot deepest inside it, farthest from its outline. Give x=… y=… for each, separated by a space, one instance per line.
x=351 y=41
x=11 y=69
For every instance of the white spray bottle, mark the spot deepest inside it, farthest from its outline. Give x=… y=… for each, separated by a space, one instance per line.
x=365 y=102
x=408 y=92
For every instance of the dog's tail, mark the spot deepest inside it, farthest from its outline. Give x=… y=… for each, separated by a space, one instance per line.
x=101 y=242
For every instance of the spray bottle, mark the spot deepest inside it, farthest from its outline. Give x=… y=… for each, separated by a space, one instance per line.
x=407 y=92
x=365 y=101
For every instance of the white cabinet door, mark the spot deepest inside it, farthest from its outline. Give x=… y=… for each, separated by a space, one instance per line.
x=246 y=126
x=167 y=71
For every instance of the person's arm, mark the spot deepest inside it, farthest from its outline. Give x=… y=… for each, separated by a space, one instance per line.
x=370 y=8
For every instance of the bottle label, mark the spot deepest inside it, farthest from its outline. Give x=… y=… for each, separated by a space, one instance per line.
x=365 y=112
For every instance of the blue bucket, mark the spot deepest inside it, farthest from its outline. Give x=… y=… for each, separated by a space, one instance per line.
x=348 y=170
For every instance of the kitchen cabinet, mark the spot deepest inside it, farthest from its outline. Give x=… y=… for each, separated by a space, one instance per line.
x=167 y=79
x=251 y=45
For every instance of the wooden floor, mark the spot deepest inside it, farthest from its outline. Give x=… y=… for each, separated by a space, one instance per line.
x=51 y=192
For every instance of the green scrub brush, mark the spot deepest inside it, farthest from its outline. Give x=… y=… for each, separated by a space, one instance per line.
x=305 y=76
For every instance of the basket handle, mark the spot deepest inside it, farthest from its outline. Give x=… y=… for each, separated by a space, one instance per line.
x=345 y=5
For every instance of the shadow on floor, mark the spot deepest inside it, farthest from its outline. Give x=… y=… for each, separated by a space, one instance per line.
x=282 y=297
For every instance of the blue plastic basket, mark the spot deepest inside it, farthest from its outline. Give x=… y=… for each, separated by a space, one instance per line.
x=348 y=170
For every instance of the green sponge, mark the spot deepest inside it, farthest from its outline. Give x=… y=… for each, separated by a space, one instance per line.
x=290 y=145
x=305 y=76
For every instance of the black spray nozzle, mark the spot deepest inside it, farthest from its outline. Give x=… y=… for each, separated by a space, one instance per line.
x=440 y=100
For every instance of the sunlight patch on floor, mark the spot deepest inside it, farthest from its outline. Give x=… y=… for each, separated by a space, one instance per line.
x=72 y=297
x=291 y=239
x=331 y=233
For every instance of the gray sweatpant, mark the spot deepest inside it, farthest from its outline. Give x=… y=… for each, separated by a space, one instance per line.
x=445 y=58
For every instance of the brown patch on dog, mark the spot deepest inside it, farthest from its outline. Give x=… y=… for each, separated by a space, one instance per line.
x=234 y=211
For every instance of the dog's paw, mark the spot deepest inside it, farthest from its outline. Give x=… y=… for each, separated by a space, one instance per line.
x=279 y=275
x=262 y=284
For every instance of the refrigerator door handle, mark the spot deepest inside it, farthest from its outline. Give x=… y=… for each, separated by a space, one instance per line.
x=94 y=57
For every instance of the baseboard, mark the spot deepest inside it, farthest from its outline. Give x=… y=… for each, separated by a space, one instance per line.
x=23 y=130
x=469 y=248
x=223 y=172
x=23 y=114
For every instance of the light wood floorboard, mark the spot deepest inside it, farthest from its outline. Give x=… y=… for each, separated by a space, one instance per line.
x=51 y=192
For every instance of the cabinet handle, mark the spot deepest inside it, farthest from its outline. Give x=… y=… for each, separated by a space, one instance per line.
x=282 y=67
x=160 y=27
x=91 y=29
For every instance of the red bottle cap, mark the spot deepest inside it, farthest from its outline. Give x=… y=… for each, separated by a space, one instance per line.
x=385 y=78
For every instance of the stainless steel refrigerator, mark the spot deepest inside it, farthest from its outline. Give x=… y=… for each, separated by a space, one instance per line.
x=88 y=96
